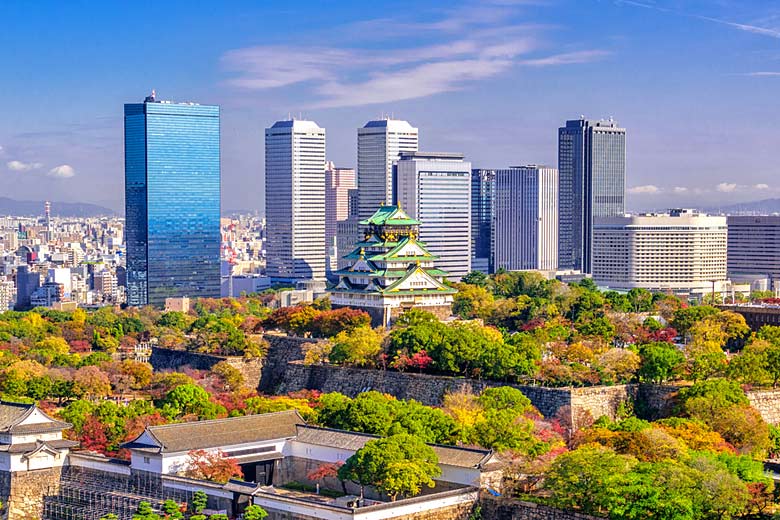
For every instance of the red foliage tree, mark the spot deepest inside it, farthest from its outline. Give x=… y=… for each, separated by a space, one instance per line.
x=325 y=470
x=668 y=334
x=329 y=323
x=420 y=360
x=80 y=346
x=212 y=465
x=93 y=436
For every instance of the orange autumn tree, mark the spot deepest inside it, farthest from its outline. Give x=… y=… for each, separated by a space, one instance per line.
x=215 y=466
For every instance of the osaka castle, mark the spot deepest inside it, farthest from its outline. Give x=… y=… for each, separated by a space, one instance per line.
x=391 y=271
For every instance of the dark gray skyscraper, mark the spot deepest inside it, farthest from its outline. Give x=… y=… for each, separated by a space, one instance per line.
x=482 y=193
x=592 y=170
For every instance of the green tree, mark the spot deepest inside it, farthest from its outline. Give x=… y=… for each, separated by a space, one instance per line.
x=357 y=347
x=199 y=501
x=189 y=399
x=661 y=362
x=172 y=510
x=397 y=465
x=254 y=512
x=589 y=479
x=145 y=512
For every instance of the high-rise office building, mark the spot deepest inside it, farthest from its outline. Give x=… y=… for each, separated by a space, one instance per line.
x=681 y=251
x=592 y=177
x=27 y=282
x=295 y=201
x=379 y=144
x=435 y=188
x=482 y=193
x=754 y=249
x=338 y=183
x=525 y=222
x=172 y=201
x=348 y=230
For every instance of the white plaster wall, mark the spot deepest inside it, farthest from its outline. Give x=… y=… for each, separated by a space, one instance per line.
x=173 y=463
x=104 y=466
x=316 y=452
x=137 y=462
x=21 y=439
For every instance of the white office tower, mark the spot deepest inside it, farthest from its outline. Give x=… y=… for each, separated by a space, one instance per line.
x=681 y=251
x=435 y=188
x=379 y=145
x=525 y=223
x=295 y=201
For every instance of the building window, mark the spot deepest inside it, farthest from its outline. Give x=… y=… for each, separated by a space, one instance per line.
x=147 y=460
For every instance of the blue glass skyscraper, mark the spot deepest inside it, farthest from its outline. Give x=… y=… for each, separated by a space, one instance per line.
x=172 y=201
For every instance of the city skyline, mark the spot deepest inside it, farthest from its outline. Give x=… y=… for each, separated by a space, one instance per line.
x=479 y=70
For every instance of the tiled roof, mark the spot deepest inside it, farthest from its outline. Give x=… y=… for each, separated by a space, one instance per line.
x=390 y=216
x=11 y=414
x=31 y=446
x=352 y=441
x=172 y=438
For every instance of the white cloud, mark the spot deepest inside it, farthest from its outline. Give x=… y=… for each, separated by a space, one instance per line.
x=646 y=189
x=762 y=74
x=19 y=166
x=494 y=42
x=761 y=186
x=680 y=189
x=726 y=187
x=62 y=171
x=568 y=58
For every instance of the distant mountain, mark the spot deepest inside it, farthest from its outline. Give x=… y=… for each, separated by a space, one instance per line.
x=25 y=208
x=756 y=207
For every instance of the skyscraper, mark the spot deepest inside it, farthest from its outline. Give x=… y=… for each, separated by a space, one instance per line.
x=295 y=201
x=172 y=201
x=482 y=193
x=435 y=188
x=338 y=183
x=525 y=225
x=592 y=170
x=379 y=143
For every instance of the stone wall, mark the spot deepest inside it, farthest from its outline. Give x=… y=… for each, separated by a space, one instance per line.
x=27 y=492
x=767 y=402
x=169 y=359
x=656 y=401
x=430 y=390
x=281 y=351
x=506 y=509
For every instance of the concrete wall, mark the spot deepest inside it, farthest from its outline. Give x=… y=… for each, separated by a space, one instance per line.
x=506 y=509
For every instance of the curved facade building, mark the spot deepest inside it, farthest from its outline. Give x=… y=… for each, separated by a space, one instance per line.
x=681 y=251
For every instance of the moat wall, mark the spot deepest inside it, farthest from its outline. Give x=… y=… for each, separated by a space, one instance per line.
x=283 y=371
x=430 y=390
x=503 y=509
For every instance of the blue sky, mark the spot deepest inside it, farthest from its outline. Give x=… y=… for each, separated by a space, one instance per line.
x=695 y=82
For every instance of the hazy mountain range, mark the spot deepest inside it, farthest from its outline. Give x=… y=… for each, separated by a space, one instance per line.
x=27 y=208
x=756 y=207
x=10 y=206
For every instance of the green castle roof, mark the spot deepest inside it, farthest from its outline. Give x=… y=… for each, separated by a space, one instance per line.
x=390 y=216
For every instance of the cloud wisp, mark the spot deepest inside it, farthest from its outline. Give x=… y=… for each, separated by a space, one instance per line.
x=753 y=29
x=63 y=171
x=20 y=166
x=646 y=189
x=354 y=76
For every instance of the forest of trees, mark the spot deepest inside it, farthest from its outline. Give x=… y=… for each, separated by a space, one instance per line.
x=704 y=462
